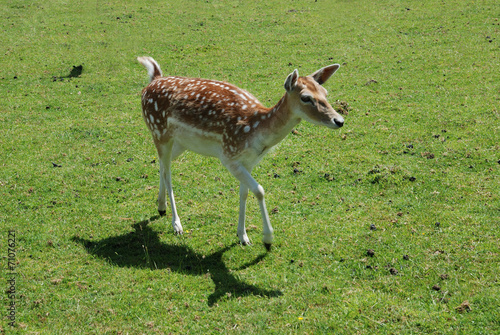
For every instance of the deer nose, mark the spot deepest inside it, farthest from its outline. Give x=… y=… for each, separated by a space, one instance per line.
x=339 y=122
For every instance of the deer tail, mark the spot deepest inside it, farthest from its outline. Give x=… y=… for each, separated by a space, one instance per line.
x=152 y=66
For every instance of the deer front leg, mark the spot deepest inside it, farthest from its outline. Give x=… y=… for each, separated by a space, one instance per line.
x=165 y=155
x=242 y=233
x=245 y=178
x=267 y=228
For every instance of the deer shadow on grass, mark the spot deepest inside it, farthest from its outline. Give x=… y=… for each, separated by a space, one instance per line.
x=142 y=248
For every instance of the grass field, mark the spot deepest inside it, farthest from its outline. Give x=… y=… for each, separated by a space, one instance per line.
x=413 y=176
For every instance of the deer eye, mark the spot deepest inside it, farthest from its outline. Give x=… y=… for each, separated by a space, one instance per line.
x=307 y=99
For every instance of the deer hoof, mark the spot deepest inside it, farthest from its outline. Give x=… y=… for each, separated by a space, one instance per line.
x=162 y=213
x=268 y=246
x=244 y=240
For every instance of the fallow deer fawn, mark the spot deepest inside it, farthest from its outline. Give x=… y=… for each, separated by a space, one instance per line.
x=215 y=118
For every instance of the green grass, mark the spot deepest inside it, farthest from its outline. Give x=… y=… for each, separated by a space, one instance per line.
x=419 y=146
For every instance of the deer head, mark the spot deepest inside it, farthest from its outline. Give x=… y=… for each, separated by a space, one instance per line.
x=307 y=97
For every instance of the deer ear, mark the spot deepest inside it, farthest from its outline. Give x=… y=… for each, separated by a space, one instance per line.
x=323 y=74
x=291 y=80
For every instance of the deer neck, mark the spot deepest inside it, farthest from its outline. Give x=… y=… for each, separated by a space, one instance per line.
x=281 y=122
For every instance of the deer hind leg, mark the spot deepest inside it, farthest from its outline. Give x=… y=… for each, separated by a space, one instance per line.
x=242 y=233
x=166 y=153
x=245 y=178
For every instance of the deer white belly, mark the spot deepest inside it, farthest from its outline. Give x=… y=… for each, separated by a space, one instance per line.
x=190 y=138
